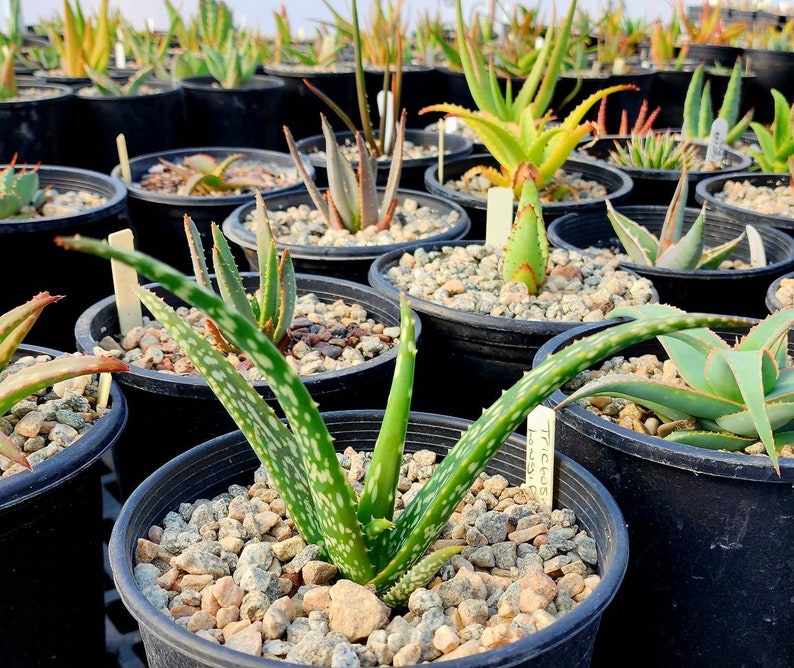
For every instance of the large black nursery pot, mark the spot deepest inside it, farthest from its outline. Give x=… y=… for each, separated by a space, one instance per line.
x=710 y=192
x=338 y=83
x=772 y=300
x=211 y=467
x=157 y=218
x=772 y=69
x=80 y=278
x=348 y=262
x=51 y=550
x=184 y=408
x=413 y=169
x=420 y=88
x=134 y=116
x=249 y=115
x=36 y=129
x=466 y=359
x=710 y=572
x=617 y=183
x=737 y=291
x=656 y=186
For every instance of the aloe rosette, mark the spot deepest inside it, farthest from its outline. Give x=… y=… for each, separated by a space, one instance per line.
x=776 y=154
x=737 y=395
x=364 y=537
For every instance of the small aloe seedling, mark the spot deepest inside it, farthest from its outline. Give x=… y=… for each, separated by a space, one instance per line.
x=526 y=252
x=699 y=112
x=655 y=150
x=234 y=62
x=204 y=174
x=737 y=395
x=272 y=306
x=361 y=534
x=673 y=248
x=352 y=200
x=19 y=191
x=108 y=86
x=82 y=41
x=14 y=326
x=776 y=145
x=8 y=79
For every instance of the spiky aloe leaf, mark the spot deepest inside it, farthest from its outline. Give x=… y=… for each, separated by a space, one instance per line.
x=230 y=283
x=526 y=251
x=419 y=575
x=341 y=534
x=687 y=250
x=17 y=322
x=314 y=192
x=640 y=245
x=711 y=258
x=711 y=440
x=418 y=525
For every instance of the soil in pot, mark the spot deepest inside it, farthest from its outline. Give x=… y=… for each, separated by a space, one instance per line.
x=709 y=535
x=563 y=642
x=317 y=248
x=736 y=287
x=780 y=293
x=481 y=333
x=591 y=182
x=344 y=348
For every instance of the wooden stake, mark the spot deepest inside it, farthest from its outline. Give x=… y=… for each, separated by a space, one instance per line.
x=125 y=280
x=124 y=159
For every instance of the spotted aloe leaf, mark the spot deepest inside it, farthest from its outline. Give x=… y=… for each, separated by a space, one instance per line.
x=390 y=553
x=736 y=392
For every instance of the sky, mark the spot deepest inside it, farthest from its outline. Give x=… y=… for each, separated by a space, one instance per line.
x=305 y=14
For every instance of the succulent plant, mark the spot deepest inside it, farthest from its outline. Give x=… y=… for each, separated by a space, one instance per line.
x=203 y=174
x=324 y=50
x=14 y=326
x=108 y=86
x=777 y=143
x=654 y=150
x=517 y=130
x=19 y=191
x=672 y=248
x=736 y=394
x=82 y=41
x=352 y=201
x=363 y=536
x=699 y=113
x=272 y=305
x=8 y=79
x=233 y=63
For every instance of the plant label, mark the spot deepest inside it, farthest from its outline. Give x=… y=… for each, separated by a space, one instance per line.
x=498 y=215
x=441 y=131
x=716 y=148
x=386 y=110
x=539 y=468
x=757 y=252
x=125 y=281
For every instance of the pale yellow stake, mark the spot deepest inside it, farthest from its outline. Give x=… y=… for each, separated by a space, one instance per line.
x=539 y=470
x=498 y=215
x=125 y=280
x=441 y=127
x=124 y=159
x=103 y=390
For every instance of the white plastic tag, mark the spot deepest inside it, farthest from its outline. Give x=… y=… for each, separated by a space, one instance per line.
x=125 y=280
x=716 y=148
x=441 y=131
x=386 y=107
x=498 y=215
x=539 y=470
x=757 y=251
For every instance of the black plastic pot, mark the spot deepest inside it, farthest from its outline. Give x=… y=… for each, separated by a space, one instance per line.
x=211 y=467
x=668 y=92
x=135 y=116
x=656 y=186
x=617 y=183
x=338 y=84
x=466 y=359
x=413 y=169
x=709 y=578
x=36 y=129
x=420 y=88
x=772 y=302
x=772 y=70
x=735 y=291
x=52 y=533
x=249 y=115
x=710 y=54
x=348 y=262
x=79 y=277
x=708 y=191
x=184 y=408
x=157 y=219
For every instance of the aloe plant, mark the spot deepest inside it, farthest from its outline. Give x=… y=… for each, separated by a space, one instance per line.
x=233 y=63
x=323 y=51
x=86 y=41
x=203 y=174
x=272 y=305
x=109 y=87
x=776 y=154
x=516 y=130
x=699 y=112
x=8 y=79
x=737 y=394
x=363 y=536
x=20 y=194
x=526 y=251
x=673 y=248
x=352 y=201
x=654 y=150
x=14 y=326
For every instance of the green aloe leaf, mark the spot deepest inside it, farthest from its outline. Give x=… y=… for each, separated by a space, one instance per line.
x=711 y=440
x=526 y=252
x=640 y=244
x=686 y=252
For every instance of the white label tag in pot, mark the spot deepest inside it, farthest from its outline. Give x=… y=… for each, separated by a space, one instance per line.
x=716 y=148
x=125 y=280
x=498 y=215
x=756 y=243
x=441 y=137
x=539 y=469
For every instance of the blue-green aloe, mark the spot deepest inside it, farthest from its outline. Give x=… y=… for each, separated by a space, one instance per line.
x=14 y=326
x=20 y=195
x=737 y=394
x=367 y=541
x=673 y=248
